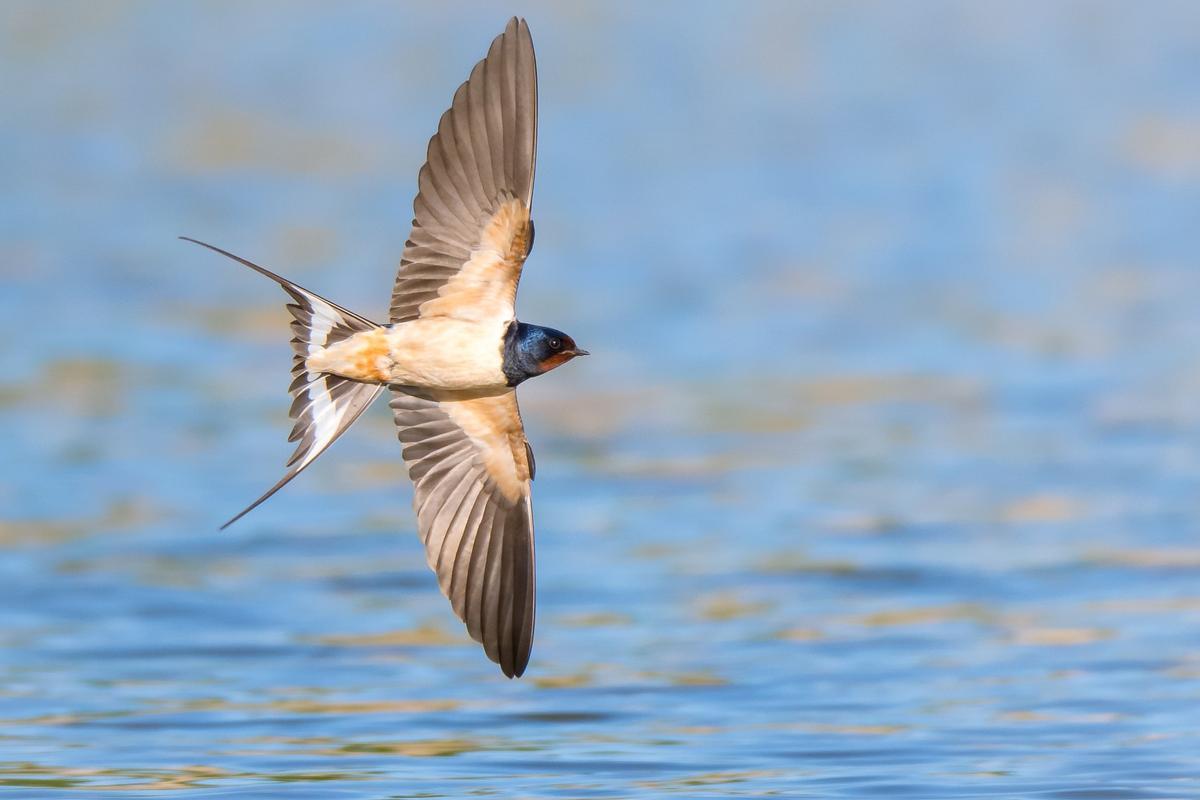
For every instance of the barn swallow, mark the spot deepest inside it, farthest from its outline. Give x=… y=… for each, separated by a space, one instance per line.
x=451 y=355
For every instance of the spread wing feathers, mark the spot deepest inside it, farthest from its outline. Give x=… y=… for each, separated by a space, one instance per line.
x=323 y=405
x=471 y=231
x=470 y=466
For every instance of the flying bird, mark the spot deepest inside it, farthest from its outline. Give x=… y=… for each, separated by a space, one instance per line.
x=451 y=354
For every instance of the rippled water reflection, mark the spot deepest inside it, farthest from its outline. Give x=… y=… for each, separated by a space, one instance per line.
x=881 y=482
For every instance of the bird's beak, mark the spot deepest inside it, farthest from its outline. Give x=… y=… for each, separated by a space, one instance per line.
x=578 y=352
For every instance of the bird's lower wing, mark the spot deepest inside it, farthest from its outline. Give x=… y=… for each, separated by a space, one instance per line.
x=471 y=469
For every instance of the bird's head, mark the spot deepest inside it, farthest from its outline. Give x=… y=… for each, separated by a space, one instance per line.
x=532 y=350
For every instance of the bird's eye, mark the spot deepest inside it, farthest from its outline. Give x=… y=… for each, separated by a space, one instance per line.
x=555 y=344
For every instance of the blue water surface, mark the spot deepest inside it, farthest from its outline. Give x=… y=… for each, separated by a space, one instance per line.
x=883 y=479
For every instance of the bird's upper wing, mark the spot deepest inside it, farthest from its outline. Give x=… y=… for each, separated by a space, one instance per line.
x=472 y=231
x=471 y=468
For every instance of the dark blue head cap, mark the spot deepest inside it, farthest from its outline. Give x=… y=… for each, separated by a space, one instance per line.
x=532 y=349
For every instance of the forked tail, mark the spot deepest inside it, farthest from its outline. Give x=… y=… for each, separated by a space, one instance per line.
x=323 y=405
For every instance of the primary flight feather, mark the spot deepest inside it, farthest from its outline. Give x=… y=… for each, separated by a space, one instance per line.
x=451 y=354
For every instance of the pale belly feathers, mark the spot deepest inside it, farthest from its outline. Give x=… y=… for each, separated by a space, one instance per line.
x=436 y=353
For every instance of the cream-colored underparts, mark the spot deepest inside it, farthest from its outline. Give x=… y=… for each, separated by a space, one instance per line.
x=436 y=353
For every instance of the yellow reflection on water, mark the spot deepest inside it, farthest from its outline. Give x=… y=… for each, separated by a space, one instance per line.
x=419 y=636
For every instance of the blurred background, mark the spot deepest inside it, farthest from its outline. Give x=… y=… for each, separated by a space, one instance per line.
x=882 y=479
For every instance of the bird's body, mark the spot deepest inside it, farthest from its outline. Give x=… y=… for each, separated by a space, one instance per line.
x=438 y=353
x=451 y=354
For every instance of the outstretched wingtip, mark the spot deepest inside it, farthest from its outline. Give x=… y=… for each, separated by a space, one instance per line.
x=516 y=25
